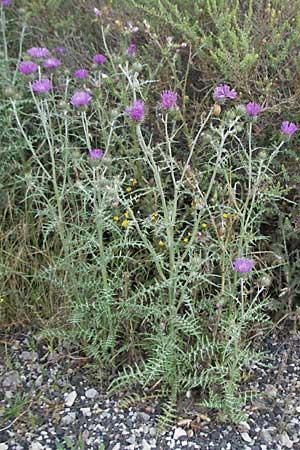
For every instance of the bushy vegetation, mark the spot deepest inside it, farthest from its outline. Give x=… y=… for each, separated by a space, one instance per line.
x=128 y=253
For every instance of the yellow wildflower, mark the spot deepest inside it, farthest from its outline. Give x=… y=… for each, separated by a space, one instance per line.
x=128 y=189
x=186 y=240
x=161 y=243
x=116 y=218
x=225 y=216
x=204 y=225
x=126 y=214
x=125 y=223
x=133 y=181
x=154 y=216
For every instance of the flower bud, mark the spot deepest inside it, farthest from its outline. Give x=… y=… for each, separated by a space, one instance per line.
x=216 y=109
x=266 y=281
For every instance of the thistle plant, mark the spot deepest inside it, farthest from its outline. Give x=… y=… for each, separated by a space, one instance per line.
x=149 y=222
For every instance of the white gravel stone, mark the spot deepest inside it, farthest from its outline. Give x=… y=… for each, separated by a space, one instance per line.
x=68 y=419
x=86 y=412
x=145 y=445
x=246 y=437
x=70 y=398
x=3 y=446
x=91 y=393
x=116 y=447
x=285 y=440
x=36 y=446
x=178 y=433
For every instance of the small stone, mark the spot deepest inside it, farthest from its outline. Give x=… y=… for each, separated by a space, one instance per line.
x=36 y=446
x=116 y=447
x=131 y=439
x=29 y=356
x=246 y=437
x=91 y=393
x=190 y=433
x=3 y=446
x=271 y=391
x=39 y=381
x=285 y=440
x=70 y=398
x=178 y=433
x=144 y=416
x=244 y=427
x=68 y=419
x=12 y=380
x=145 y=445
x=86 y=412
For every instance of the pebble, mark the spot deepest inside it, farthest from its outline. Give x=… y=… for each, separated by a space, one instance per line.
x=86 y=412
x=12 y=380
x=116 y=447
x=68 y=419
x=70 y=398
x=36 y=446
x=246 y=437
x=285 y=440
x=178 y=433
x=91 y=393
x=145 y=445
x=28 y=356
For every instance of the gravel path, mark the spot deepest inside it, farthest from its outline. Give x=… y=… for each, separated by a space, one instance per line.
x=48 y=402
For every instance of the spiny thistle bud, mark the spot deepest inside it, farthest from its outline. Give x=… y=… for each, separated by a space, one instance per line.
x=216 y=109
x=266 y=281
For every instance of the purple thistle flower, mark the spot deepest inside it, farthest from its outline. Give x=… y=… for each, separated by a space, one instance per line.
x=242 y=265
x=168 y=99
x=96 y=153
x=288 y=128
x=60 y=50
x=38 y=52
x=136 y=110
x=80 y=98
x=97 y=12
x=253 y=108
x=5 y=2
x=131 y=49
x=52 y=63
x=27 y=67
x=40 y=86
x=99 y=59
x=223 y=91
x=81 y=73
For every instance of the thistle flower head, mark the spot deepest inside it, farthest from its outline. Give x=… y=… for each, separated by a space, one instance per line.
x=52 y=63
x=38 y=52
x=60 y=50
x=223 y=91
x=242 y=265
x=5 y=2
x=288 y=128
x=99 y=59
x=168 y=99
x=80 y=98
x=136 y=110
x=131 y=49
x=27 y=67
x=41 y=86
x=96 y=153
x=81 y=73
x=253 y=108
x=97 y=12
